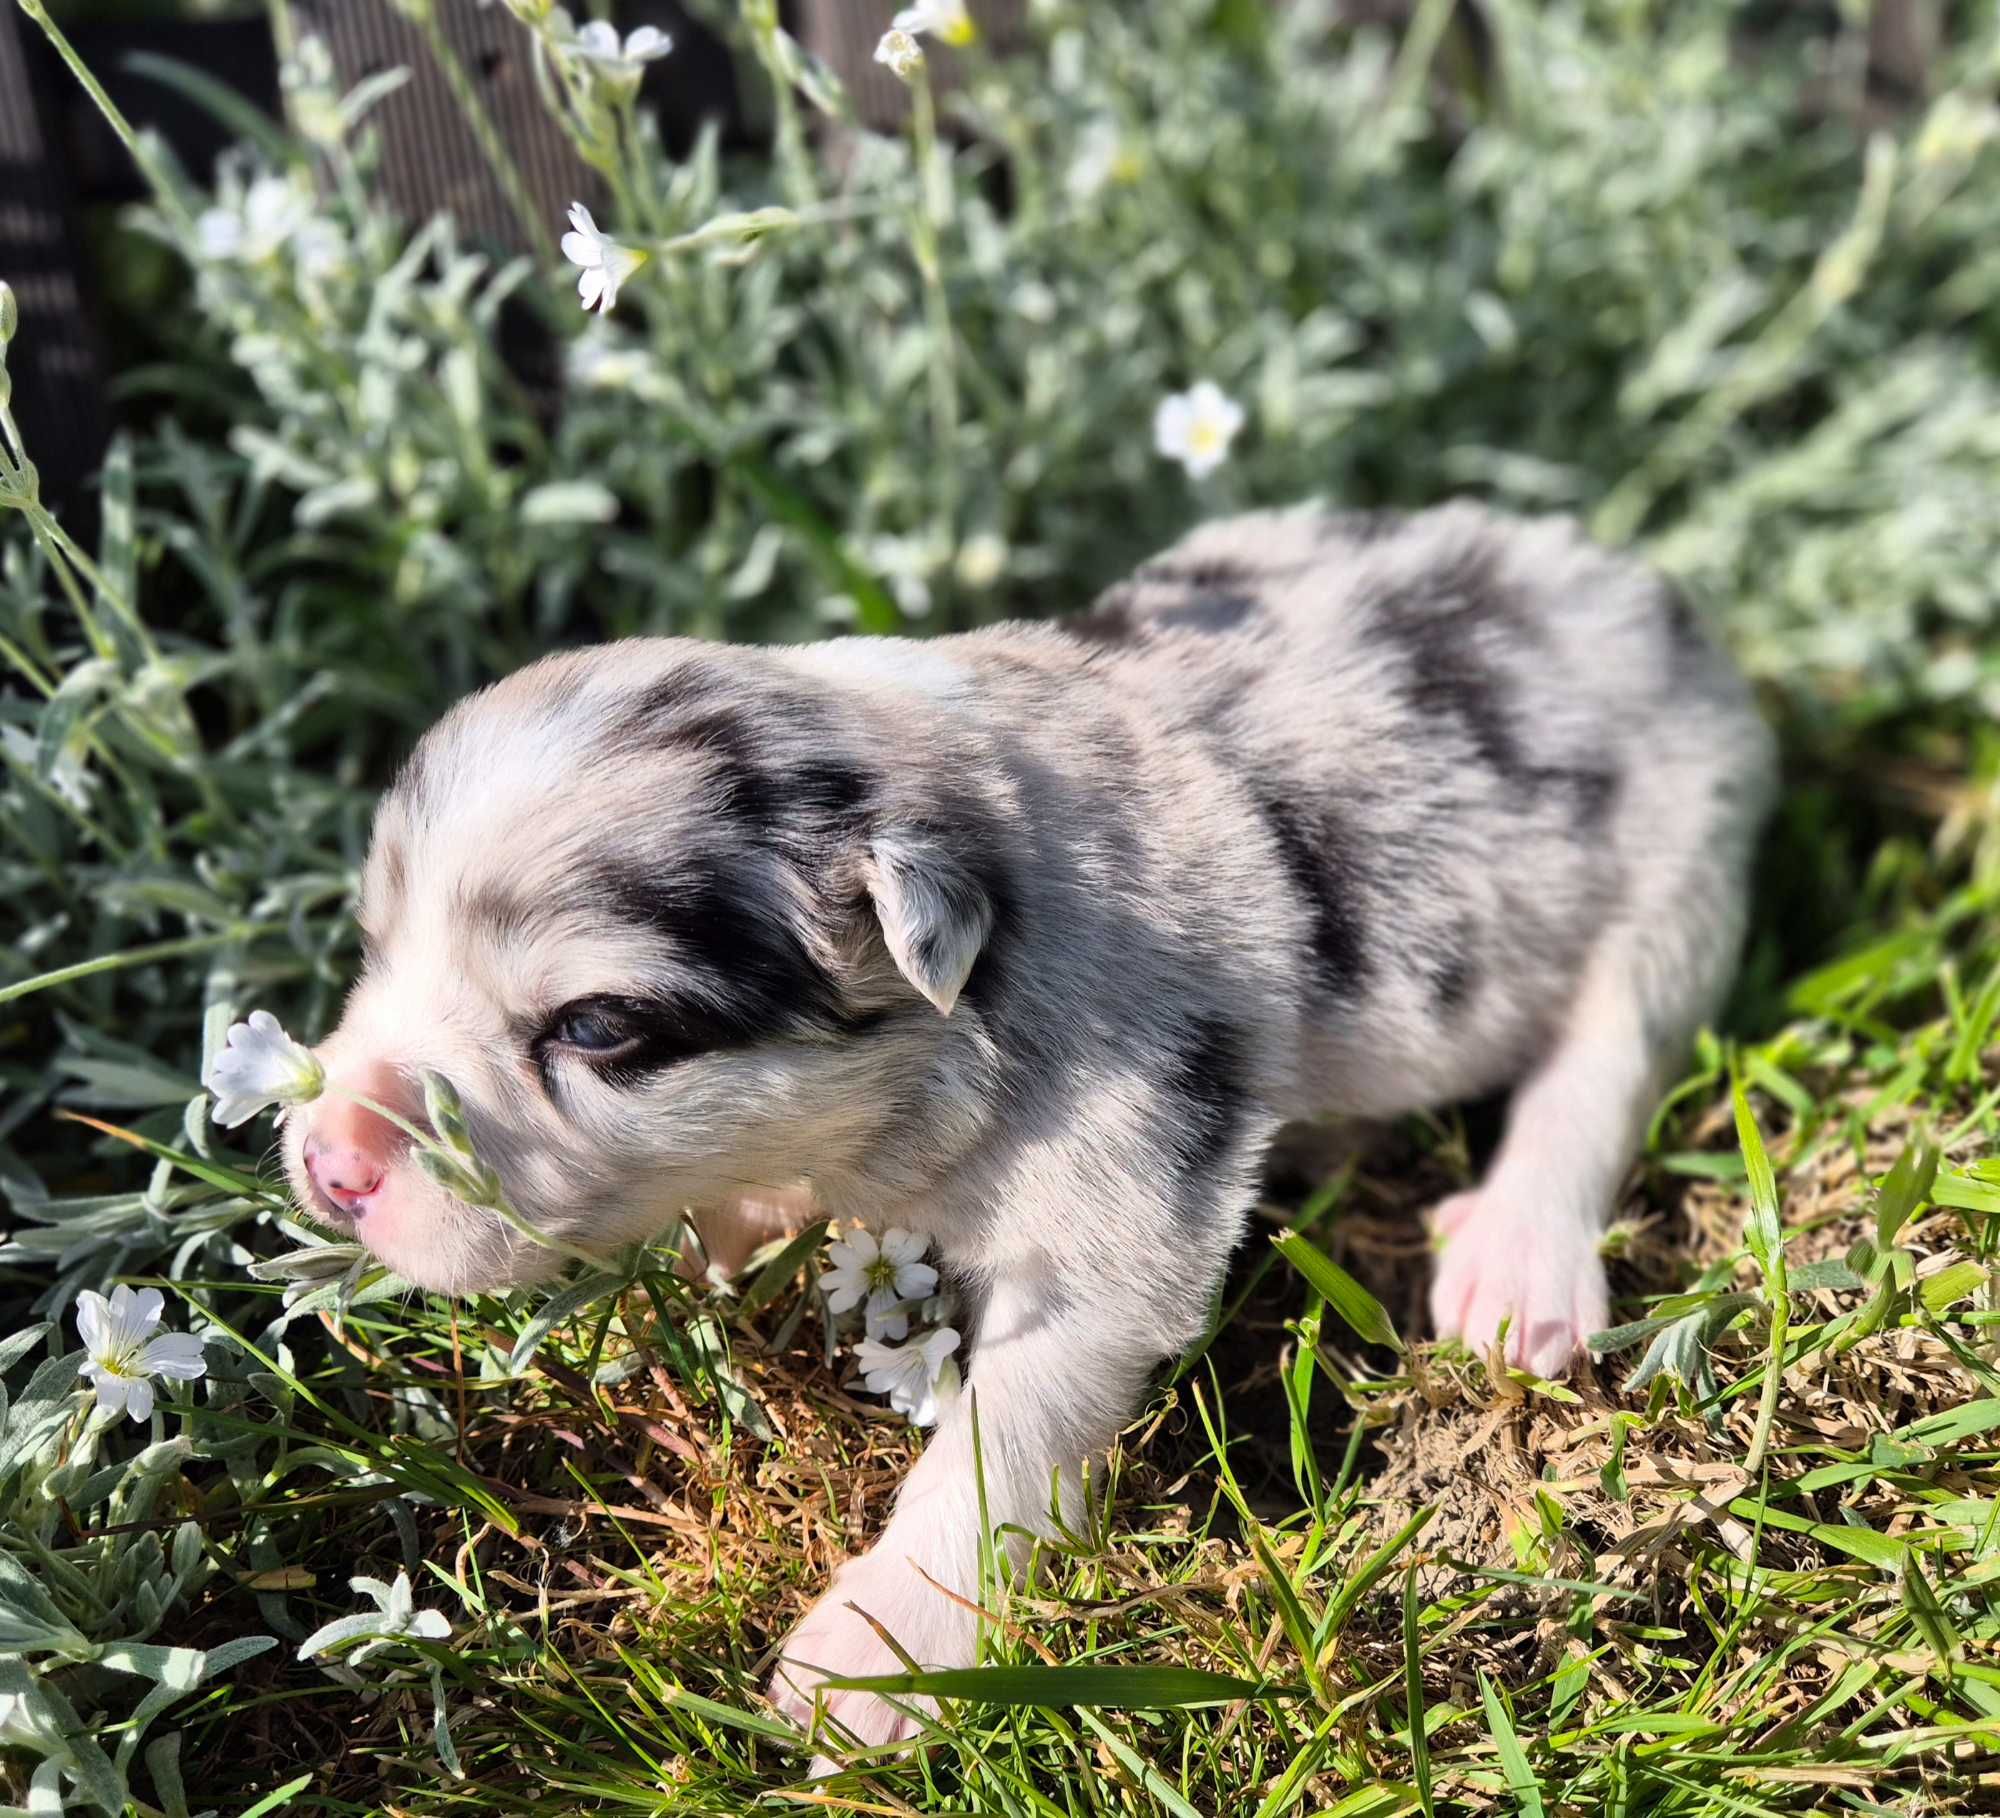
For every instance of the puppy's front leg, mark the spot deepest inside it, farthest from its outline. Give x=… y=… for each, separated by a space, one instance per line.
x=1059 y=1364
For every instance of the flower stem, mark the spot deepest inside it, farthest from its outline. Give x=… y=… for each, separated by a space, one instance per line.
x=927 y=221
x=155 y=174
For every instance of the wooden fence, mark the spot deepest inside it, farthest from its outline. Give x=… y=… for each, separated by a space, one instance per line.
x=58 y=162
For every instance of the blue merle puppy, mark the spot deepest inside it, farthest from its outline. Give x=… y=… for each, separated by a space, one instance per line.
x=1030 y=940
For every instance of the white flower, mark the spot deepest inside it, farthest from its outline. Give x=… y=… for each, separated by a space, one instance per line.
x=982 y=559
x=919 y=1378
x=884 y=1274
x=602 y=364
x=394 y=1618
x=945 y=20
x=1102 y=158
x=1195 y=427
x=260 y=1065
x=255 y=225
x=123 y=1356
x=902 y=53
x=606 y=262
x=621 y=64
x=320 y=248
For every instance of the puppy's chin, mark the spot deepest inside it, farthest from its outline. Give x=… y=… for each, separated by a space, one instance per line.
x=440 y=1243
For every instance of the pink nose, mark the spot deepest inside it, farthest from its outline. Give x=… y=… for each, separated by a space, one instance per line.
x=349 y=1150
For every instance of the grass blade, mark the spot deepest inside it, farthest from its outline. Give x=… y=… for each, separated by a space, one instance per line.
x=1346 y=1296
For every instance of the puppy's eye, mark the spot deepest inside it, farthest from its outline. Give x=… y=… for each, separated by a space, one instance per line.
x=593 y=1027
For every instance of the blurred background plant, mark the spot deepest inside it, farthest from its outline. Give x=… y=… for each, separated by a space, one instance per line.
x=1602 y=256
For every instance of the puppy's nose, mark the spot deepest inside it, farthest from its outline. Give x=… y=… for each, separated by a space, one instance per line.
x=349 y=1150
x=345 y=1176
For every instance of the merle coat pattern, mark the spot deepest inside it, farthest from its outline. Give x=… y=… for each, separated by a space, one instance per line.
x=1031 y=939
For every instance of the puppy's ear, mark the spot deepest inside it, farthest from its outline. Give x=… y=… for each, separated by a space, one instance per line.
x=935 y=916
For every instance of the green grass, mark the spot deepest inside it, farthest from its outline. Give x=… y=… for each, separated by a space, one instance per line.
x=1621 y=267
x=1424 y=1588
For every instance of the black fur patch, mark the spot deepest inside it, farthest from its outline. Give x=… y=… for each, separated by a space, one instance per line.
x=1444 y=628
x=1206 y=1094
x=1217 y=574
x=1454 y=972
x=1108 y=624
x=1592 y=790
x=781 y=806
x=1318 y=855
x=740 y=973
x=1212 y=612
x=1359 y=526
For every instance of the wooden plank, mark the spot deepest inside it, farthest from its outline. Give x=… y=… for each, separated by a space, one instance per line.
x=54 y=361
x=431 y=157
x=844 y=33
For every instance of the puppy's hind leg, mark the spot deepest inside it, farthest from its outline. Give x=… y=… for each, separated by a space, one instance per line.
x=1523 y=1247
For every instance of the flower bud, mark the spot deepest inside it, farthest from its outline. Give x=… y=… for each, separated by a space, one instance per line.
x=10 y=313
x=447 y=1115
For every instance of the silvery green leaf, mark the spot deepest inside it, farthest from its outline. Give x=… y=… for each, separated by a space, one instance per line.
x=18 y=1344
x=569 y=502
x=317 y=1262
x=343 y=498
x=163 y=1763
x=563 y=1304
x=45 y=1798
x=339 y=1632
x=186 y=1548
x=441 y=1725
x=178 y=1669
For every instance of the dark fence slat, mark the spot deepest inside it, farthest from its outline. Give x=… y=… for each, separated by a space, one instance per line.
x=844 y=33
x=432 y=160
x=55 y=363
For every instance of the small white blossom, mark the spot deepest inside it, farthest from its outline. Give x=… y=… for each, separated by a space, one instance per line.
x=982 y=559
x=1195 y=427
x=948 y=21
x=320 y=249
x=919 y=1378
x=394 y=1618
x=254 y=225
x=260 y=1065
x=902 y=53
x=606 y=263
x=884 y=1274
x=122 y=1353
x=601 y=364
x=622 y=64
x=1102 y=158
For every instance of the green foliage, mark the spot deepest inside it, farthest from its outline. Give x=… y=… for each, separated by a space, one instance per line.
x=1622 y=267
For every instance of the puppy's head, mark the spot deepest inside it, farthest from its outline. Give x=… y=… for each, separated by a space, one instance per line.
x=673 y=931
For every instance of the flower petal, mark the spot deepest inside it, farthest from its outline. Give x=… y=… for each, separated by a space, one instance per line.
x=138 y=1397
x=856 y=1250
x=581 y=249
x=93 y=1316
x=174 y=1354
x=901 y=1246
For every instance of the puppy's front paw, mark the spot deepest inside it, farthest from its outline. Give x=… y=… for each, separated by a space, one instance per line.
x=1535 y=1268
x=835 y=1641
